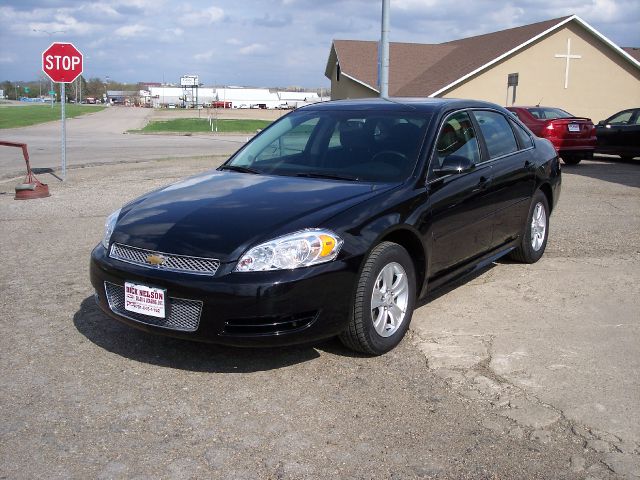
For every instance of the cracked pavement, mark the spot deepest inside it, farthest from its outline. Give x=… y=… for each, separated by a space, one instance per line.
x=557 y=341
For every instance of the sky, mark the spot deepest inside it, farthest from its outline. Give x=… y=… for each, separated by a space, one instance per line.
x=261 y=43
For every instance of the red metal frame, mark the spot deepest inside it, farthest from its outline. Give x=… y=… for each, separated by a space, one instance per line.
x=31 y=187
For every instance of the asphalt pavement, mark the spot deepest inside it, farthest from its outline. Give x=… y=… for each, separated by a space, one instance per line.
x=102 y=138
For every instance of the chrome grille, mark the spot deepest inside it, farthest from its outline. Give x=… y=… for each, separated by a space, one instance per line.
x=169 y=261
x=182 y=314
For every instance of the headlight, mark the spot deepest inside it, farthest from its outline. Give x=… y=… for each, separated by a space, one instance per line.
x=109 y=225
x=300 y=249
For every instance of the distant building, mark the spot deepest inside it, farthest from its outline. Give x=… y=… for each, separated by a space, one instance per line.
x=123 y=97
x=297 y=99
x=248 y=97
x=163 y=96
x=233 y=97
x=563 y=62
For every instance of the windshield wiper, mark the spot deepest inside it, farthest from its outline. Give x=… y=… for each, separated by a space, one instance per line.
x=238 y=168
x=329 y=175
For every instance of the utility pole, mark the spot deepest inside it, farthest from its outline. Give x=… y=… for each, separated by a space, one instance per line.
x=384 y=51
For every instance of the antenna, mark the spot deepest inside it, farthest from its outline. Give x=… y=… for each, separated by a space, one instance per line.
x=539 y=102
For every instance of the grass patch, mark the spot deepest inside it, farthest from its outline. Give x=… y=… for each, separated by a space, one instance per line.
x=24 y=116
x=195 y=125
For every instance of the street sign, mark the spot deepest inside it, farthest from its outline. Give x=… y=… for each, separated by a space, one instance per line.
x=62 y=62
x=26 y=89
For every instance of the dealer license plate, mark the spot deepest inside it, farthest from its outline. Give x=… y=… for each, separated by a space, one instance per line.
x=574 y=127
x=145 y=300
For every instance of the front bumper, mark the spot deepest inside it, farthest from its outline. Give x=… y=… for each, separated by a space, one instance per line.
x=242 y=309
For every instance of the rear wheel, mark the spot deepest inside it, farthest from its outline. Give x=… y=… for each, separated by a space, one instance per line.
x=536 y=232
x=571 y=160
x=384 y=301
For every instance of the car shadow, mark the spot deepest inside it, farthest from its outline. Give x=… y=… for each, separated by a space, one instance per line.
x=162 y=351
x=449 y=287
x=607 y=169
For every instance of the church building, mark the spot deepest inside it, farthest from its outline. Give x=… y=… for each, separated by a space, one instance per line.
x=563 y=63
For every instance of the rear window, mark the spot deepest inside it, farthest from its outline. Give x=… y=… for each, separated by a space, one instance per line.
x=622 y=118
x=546 y=113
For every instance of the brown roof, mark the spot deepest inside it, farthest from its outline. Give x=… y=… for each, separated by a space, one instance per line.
x=359 y=59
x=633 y=51
x=423 y=69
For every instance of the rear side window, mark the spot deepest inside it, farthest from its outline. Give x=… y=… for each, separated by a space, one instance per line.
x=523 y=137
x=497 y=133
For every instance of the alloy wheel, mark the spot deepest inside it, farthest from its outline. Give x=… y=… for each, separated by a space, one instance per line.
x=538 y=226
x=389 y=299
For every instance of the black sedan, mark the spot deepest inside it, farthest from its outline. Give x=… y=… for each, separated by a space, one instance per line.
x=620 y=134
x=331 y=222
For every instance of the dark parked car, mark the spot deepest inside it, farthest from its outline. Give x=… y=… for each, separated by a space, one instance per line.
x=332 y=221
x=620 y=134
x=573 y=137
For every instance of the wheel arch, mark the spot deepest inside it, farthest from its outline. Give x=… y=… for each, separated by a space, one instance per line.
x=410 y=241
x=546 y=189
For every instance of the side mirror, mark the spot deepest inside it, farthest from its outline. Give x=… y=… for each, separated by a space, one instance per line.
x=601 y=123
x=454 y=164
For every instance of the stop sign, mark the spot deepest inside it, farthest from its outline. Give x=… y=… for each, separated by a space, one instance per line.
x=62 y=62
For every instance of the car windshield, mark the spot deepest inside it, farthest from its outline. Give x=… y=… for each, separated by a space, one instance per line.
x=368 y=146
x=549 y=113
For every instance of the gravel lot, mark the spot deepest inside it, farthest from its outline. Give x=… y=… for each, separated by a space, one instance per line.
x=521 y=372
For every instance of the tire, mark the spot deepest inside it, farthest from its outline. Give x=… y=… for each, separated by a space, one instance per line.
x=377 y=330
x=571 y=160
x=534 y=240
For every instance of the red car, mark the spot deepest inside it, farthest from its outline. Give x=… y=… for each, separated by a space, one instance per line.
x=574 y=138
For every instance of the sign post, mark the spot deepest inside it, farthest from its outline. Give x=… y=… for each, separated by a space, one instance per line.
x=62 y=63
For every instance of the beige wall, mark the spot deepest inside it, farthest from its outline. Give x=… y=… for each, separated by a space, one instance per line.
x=600 y=83
x=347 y=88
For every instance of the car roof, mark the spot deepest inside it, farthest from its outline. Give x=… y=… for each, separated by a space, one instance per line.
x=400 y=104
x=532 y=106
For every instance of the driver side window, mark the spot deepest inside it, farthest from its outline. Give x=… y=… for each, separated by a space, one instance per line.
x=458 y=138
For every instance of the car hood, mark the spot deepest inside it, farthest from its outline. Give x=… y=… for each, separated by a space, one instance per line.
x=221 y=214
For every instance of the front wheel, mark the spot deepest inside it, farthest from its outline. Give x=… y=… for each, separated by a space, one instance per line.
x=384 y=301
x=536 y=231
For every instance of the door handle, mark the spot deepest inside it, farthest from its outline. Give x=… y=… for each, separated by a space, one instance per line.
x=482 y=184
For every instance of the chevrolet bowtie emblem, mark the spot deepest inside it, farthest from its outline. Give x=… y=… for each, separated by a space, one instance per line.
x=156 y=260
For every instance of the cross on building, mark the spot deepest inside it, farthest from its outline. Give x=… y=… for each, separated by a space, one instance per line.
x=567 y=56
